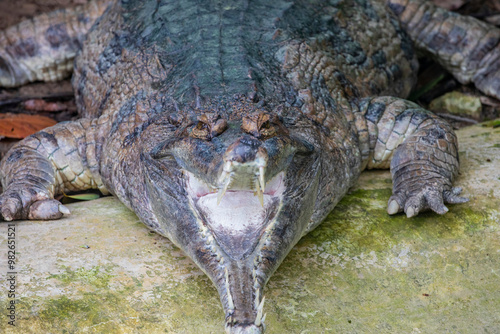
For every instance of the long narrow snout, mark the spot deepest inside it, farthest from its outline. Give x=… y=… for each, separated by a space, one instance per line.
x=236 y=205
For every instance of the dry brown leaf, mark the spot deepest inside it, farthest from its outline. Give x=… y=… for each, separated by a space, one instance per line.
x=22 y=125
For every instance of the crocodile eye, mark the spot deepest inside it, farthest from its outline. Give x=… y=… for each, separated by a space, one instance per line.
x=202 y=127
x=208 y=126
x=263 y=125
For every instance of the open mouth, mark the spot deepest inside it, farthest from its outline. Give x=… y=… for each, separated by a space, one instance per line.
x=238 y=218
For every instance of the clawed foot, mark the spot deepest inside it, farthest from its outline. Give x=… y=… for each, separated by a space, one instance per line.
x=428 y=197
x=26 y=203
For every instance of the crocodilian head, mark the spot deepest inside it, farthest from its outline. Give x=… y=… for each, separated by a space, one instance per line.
x=235 y=196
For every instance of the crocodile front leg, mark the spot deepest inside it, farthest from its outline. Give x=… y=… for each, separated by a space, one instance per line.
x=466 y=47
x=59 y=158
x=420 y=147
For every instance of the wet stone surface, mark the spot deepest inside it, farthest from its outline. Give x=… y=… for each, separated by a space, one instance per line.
x=361 y=271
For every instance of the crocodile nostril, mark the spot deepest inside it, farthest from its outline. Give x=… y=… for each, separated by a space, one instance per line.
x=245 y=149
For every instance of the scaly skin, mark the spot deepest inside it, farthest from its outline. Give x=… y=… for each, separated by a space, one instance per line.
x=189 y=104
x=43 y=48
x=465 y=46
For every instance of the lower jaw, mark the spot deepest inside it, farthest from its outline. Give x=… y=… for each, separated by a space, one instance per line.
x=237 y=223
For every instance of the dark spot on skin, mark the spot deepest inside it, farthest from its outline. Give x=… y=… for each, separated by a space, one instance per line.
x=437 y=41
x=57 y=35
x=110 y=55
x=418 y=116
x=82 y=18
x=396 y=72
x=48 y=137
x=375 y=111
x=347 y=85
x=368 y=9
x=437 y=133
x=457 y=34
x=374 y=89
x=80 y=87
x=23 y=49
x=428 y=140
x=15 y=156
x=403 y=115
x=406 y=43
x=396 y=8
x=344 y=44
x=102 y=105
x=131 y=138
x=379 y=59
x=127 y=110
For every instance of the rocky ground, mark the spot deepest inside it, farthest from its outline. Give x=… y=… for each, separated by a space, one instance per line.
x=101 y=271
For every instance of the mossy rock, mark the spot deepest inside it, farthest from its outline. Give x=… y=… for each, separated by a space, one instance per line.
x=361 y=271
x=459 y=104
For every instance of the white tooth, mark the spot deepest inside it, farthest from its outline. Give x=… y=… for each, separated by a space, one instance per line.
x=260 y=309
x=230 y=304
x=223 y=176
x=262 y=181
x=228 y=166
x=257 y=297
x=259 y=194
x=223 y=190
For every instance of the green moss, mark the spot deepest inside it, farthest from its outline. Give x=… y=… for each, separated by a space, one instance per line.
x=360 y=223
x=94 y=276
x=98 y=303
x=363 y=270
x=494 y=123
x=485 y=134
x=91 y=309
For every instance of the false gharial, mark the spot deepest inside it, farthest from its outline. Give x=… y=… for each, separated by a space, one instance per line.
x=234 y=127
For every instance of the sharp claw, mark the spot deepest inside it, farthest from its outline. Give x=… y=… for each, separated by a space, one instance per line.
x=7 y=216
x=64 y=210
x=444 y=210
x=410 y=212
x=393 y=207
x=6 y=213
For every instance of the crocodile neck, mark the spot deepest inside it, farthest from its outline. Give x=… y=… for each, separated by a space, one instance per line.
x=216 y=45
